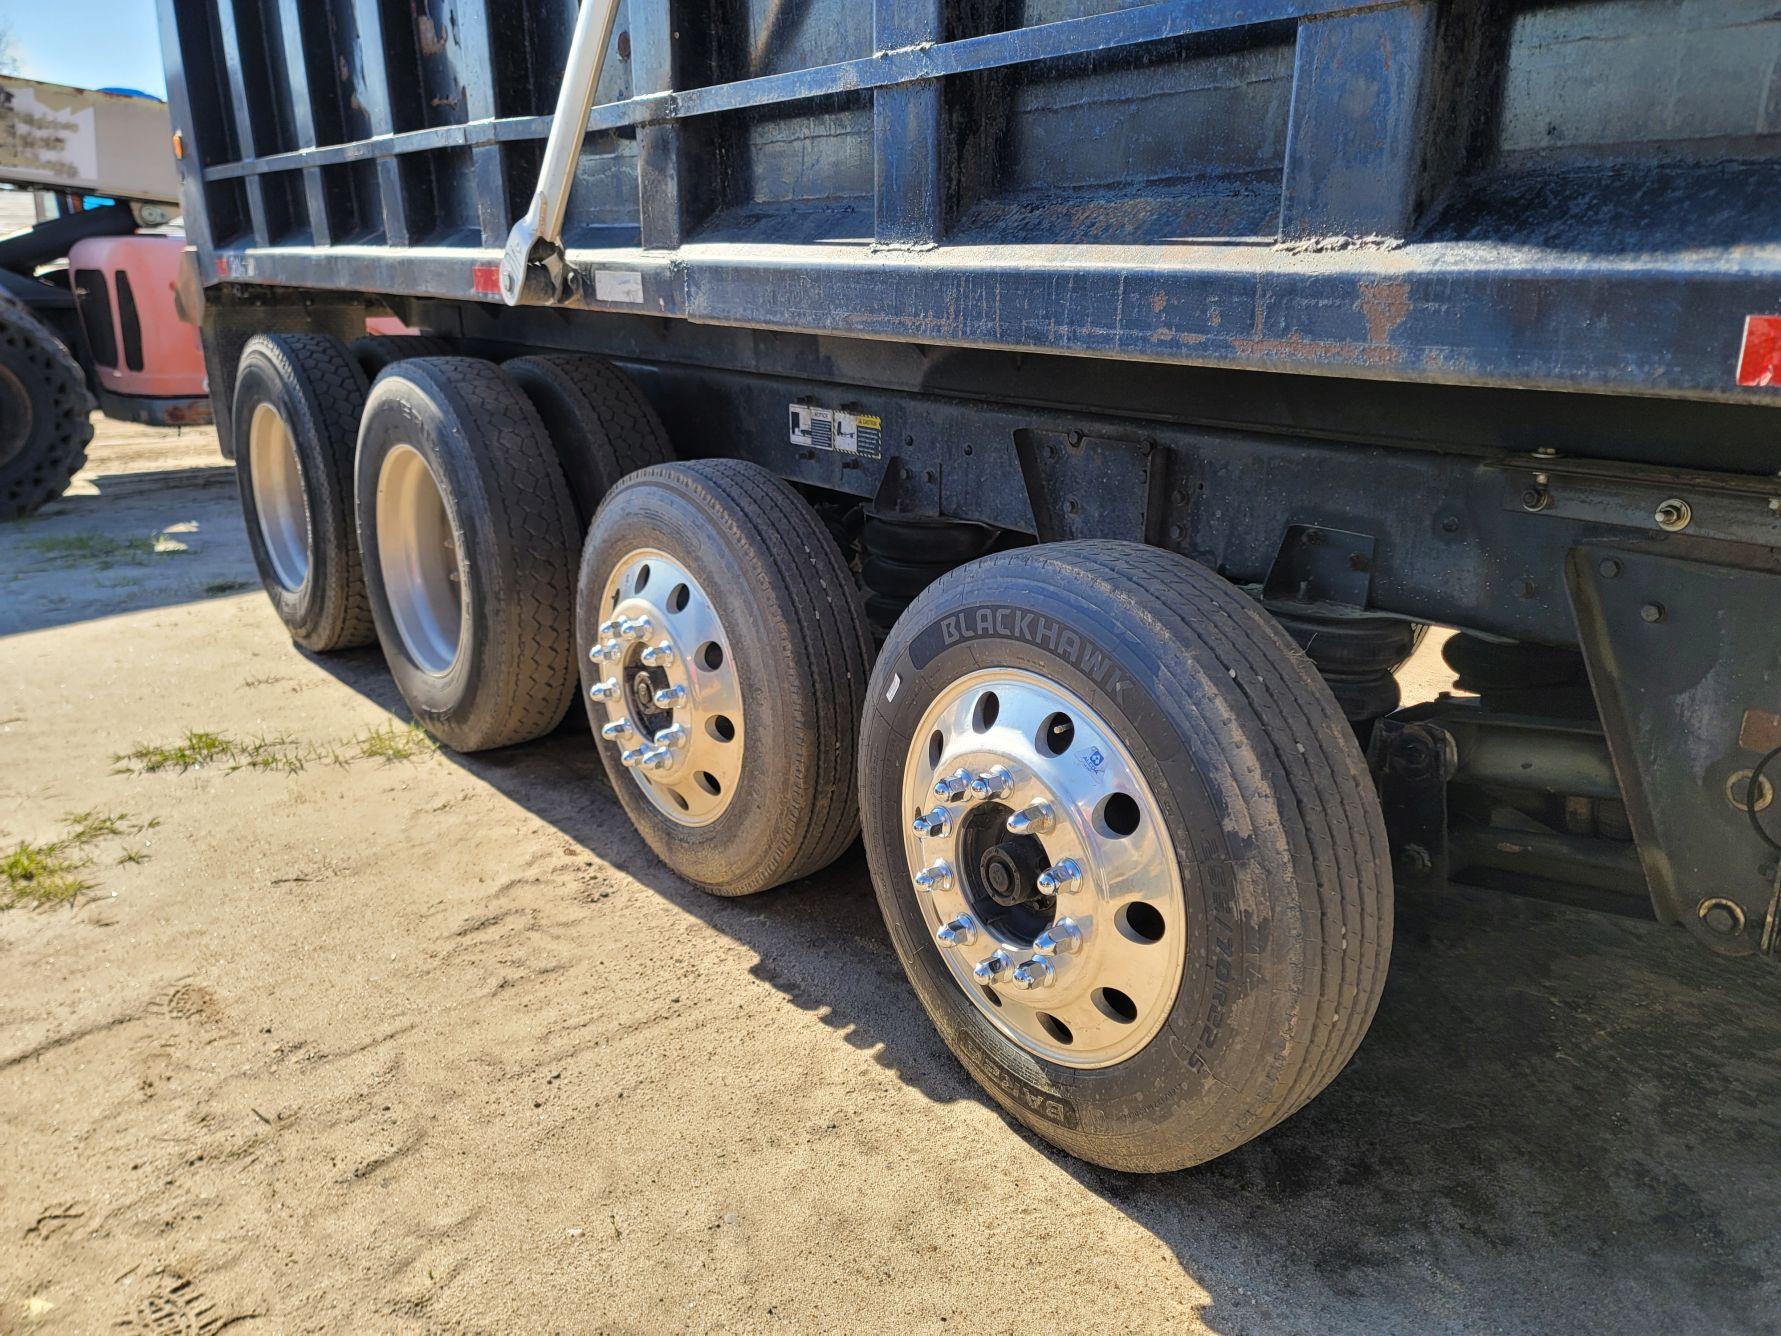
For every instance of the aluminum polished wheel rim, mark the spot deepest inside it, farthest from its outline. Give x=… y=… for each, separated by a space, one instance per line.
x=673 y=706
x=279 y=502
x=417 y=552
x=1043 y=868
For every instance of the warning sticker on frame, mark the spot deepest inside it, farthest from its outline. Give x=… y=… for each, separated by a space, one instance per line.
x=831 y=429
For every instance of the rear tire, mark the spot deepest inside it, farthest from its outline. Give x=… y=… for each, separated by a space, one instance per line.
x=295 y=418
x=45 y=414
x=470 y=540
x=1229 y=873
x=374 y=352
x=767 y=644
x=602 y=426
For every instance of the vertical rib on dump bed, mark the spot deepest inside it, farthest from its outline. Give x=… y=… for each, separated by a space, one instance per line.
x=1566 y=196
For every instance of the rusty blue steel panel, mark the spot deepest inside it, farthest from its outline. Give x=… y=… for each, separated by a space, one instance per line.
x=1361 y=87
x=1348 y=200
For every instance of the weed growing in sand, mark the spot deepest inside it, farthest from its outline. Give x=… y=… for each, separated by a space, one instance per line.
x=47 y=874
x=103 y=550
x=201 y=747
x=42 y=875
x=388 y=743
x=394 y=742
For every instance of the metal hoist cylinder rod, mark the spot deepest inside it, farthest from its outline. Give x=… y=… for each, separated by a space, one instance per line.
x=538 y=237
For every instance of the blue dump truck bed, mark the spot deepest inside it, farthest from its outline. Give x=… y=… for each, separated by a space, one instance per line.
x=1575 y=196
x=1029 y=437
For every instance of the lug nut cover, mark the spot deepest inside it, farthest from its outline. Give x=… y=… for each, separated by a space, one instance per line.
x=992 y=967
x=932 y=823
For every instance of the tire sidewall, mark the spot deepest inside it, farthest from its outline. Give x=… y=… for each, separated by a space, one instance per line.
x=262 y=380
x=401 y=412
x=587 y=464
x=652 y=512
x=1159 y=1108
x=52 y=452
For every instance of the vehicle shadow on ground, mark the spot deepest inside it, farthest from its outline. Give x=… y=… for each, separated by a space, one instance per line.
x=146 y=540
x=1560 y=1120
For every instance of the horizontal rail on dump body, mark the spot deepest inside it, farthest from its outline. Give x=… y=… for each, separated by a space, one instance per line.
x=1398 y=189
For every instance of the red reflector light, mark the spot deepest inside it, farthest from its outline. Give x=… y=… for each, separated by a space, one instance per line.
x=486 y=279
x=1760 y=363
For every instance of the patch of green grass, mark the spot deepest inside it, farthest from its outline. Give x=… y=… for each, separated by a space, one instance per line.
x=387 y=743
x=85 y=827
x=103 y=550
x=200 y=748
x=394 y=742
x=42 y=875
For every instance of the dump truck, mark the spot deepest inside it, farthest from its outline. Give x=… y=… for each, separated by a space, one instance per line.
x=1026 y=436
x=89 y=315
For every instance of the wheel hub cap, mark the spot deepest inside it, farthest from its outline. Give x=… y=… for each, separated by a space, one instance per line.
x=279 y=503
x=1044 y=868
x=667 y=681
x=418 y=554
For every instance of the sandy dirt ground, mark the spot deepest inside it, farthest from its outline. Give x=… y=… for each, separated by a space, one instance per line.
x=433 y=1044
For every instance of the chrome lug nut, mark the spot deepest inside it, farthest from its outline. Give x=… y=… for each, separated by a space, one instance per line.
x=1060 y=939
x=670 y=698
x=932 y=823
x=992 y=783
x=992 y=967
x=657 y=656
x=596 y=652
x=953 y=787
x=961 y=931
x=608 y=629
x=607 y=690
x=1035 y=973
x=1035 y=820
x=1060 y=877
x=617 y=730
x=635 y=628
x=656 y=758
x=633 y=756
x=672 y=737
x=935 y=877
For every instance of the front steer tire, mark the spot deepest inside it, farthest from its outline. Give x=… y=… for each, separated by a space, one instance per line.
x=1276 y=831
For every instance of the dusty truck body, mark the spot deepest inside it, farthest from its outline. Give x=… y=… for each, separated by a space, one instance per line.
x=1130 y=383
